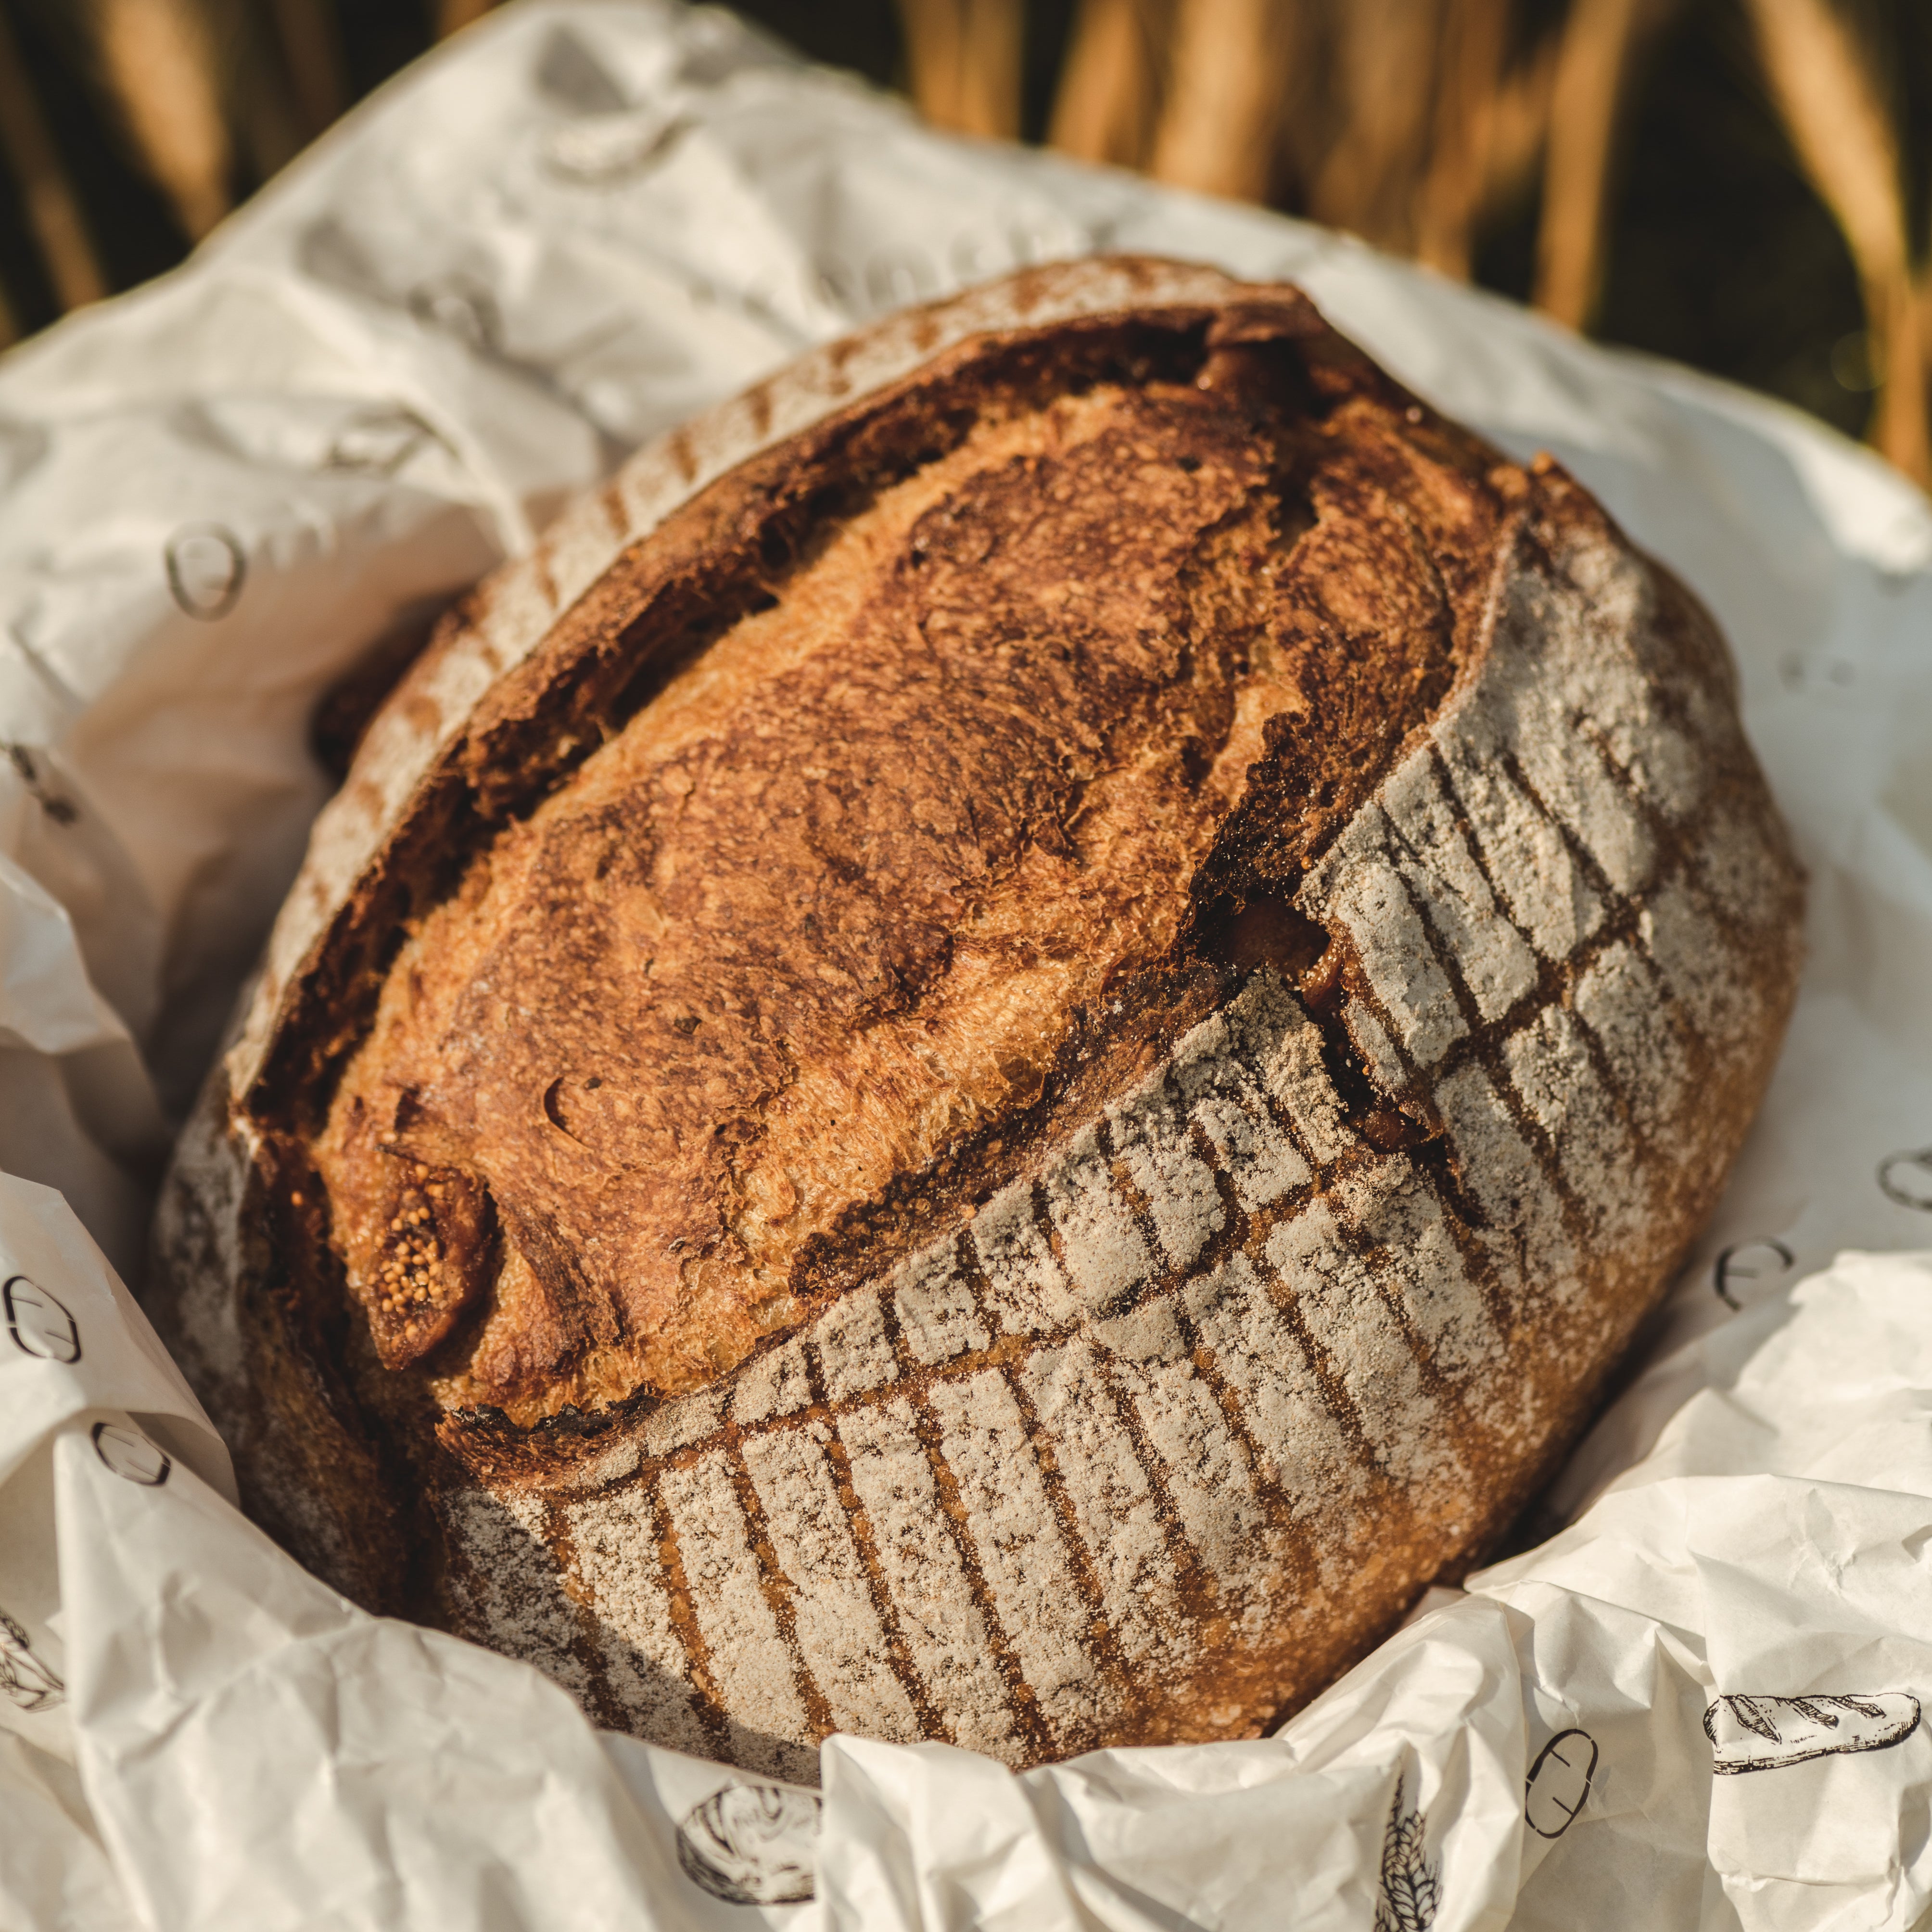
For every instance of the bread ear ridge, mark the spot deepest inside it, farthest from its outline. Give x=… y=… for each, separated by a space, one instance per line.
x=1348 y=1364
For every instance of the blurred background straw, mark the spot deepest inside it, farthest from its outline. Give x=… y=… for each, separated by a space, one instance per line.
x=1825 y=77
x=1744 y=184
x=159 y=60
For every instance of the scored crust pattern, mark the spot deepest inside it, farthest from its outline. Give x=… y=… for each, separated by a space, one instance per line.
x=1185 y=1414
x=1010 y=1410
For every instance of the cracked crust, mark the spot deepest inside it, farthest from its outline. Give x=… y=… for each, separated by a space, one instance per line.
x=999 y=1051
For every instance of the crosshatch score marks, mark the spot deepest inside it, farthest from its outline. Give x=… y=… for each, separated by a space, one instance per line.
x=1193 y=1402
x=1211 y=1383
x=1358 y=1339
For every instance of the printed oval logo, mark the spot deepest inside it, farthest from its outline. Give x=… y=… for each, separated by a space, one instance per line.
x=39 y=1325
x=129 y=1454
x=1559 y=1782
x=378 y=443
x=753 y=1844
x=1906 y=1178
x=206 y=567
x=1741 y=1261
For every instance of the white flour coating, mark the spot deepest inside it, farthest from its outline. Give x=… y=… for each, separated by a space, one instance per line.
x=1675 y=929
x=1205 y=1428
x=1205 y=1468
x=1551 y=1068
x=1498 y=965
x=1619 y=998
x=918 y=1555
x=1115 y=1509
x=1363 y=891
x=644 y=1659
x=937 y=1315
x=1224 y=1374
x=1220 y=1094
x=669 y=1429
x=1100 y=1244
x=840 y=1638
x=1301 y=1445
x=1524 y=852
x=1021 y=1553
x=1737 y=867
x=1523 y=710
x=508 y=1584
x=1334 y=1289
x=1287 y=1053
x=1380 y=1056
x=774 y=1385
x=751 y=1663
x=1149 y=1130
x=1403 y=1230
x=1026 y=1289
x=1525 y=1237
x=853 y=1354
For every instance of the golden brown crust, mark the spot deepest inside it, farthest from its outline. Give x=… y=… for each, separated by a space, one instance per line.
x=822 y=917
x=1182 y=948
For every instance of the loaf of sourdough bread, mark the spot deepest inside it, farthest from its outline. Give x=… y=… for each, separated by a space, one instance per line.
x=1006 y=1045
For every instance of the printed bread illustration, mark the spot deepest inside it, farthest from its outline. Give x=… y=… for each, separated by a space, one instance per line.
x=1003 y=1048
x=1767 y=1733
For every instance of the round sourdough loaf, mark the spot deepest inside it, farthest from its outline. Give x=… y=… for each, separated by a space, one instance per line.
x=1001 y=1050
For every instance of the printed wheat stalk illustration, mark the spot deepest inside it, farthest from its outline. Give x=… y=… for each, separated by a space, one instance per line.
x=1824 y=80
x=1410 y=1888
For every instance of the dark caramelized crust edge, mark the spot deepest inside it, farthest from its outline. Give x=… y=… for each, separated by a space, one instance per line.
x=728 y=552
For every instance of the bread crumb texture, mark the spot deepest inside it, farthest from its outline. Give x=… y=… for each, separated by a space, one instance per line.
x=1063 y=1104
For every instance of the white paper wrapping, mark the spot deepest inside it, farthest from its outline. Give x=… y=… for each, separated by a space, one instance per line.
x=1698 y=1704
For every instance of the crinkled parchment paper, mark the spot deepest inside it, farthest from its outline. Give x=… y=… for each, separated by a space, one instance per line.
x=1699 y=1704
